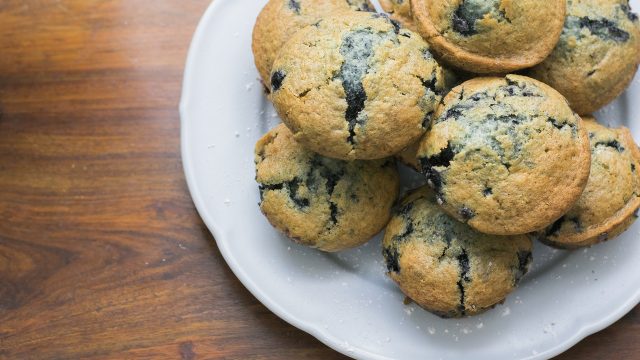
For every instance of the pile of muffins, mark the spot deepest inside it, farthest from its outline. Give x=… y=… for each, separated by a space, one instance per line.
x=489 y=99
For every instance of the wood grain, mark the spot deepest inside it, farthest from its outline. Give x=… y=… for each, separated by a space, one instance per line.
x=102 y=254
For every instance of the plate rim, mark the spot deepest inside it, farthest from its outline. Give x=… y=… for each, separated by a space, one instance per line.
x=323 y=336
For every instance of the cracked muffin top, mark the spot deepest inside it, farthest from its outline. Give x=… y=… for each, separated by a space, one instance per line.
x=444 y=265
x=399 y=10
x=505 y=155
x=609 y=203
x=490 y=36
x=597 y=55
x=320 y=202
x=356 y=86
x=280 y=19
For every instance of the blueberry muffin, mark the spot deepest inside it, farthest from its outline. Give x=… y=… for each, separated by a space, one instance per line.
x=444 y=265
x=356 y=86
x=320 y=202
x=597 y=55
x=609 y=203
x=400 y=10
x=490 y=36
x=280 y=19
x=506 y=155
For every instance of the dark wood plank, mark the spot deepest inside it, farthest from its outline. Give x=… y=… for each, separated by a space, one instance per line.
x=102 y=254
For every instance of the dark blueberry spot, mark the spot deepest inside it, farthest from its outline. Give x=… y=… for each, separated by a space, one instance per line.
x=463 y=262
x=461 y=308
x=455 y=112
x=396 y=26
x=510 y=90
x=635 y=213
x=558 y=125
x=603 y=237
x=293 y=186
x=357 y=49
x=612 y=144
x=510 y=119
x=295 y=6
x=356 y=98
x=391 y=258
x=633 y=167
x=276 y=80
x=591 y=135
x=630 y=15
x=524 y=259
x=361 y=5
x=503 y=14
x=464 y=22
x=408 y=230
x=334 y=212
x=510 y=81
x=555 y=228
x=430 y=85
x=604 y=29
x=467 y=214
x=332 y=181
x=487 y=191
x=304 y=93
x=264 y=188
x=479 y=96
x=443 y=158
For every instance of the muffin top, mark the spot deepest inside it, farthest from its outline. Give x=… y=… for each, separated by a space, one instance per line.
x=444 y=265
x=506 y=155
x=611 y=198
x=490 y=36
x=356 y=86
x=324 y=203
x=597 y=55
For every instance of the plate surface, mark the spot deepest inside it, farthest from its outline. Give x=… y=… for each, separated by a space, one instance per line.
x=345 y=300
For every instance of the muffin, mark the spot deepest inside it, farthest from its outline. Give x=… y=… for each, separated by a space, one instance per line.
x=356 y=86
x=506 y=155
x=610 y=201
x=320 y=202
x=445 y=266
x=490 y=36
x=597 y=55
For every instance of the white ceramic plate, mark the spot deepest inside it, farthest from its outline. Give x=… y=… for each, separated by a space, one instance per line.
x=345 y=300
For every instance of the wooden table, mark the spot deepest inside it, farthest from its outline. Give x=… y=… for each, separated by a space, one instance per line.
x=102 y=254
